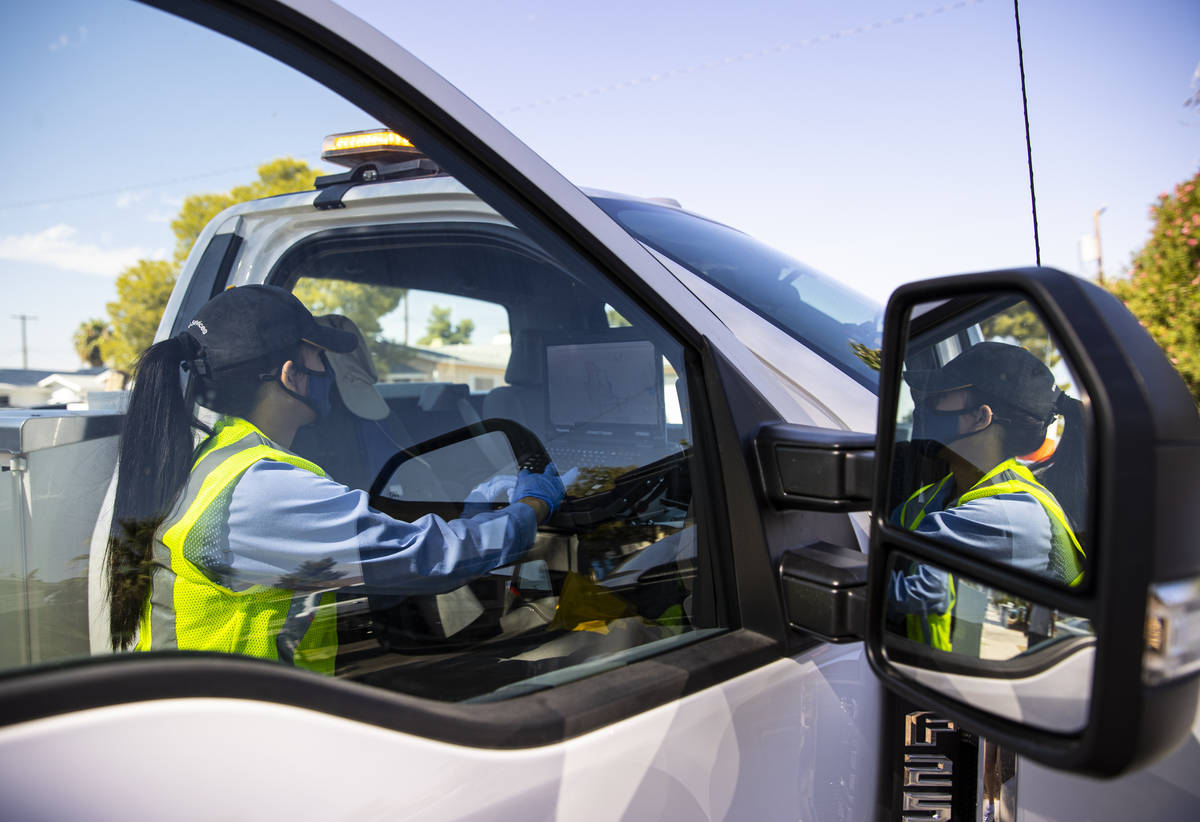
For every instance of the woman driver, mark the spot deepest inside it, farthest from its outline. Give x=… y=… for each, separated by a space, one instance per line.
x=980 y=412
x=234 y=546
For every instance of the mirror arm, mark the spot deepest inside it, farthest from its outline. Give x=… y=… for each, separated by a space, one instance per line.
x=825 y=591
x=807 y=468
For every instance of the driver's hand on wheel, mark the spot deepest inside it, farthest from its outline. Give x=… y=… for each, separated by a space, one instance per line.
x=546 y=487
x=497 y=489
x=501 y=488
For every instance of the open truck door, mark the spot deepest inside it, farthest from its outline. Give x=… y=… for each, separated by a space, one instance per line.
x=712 y=666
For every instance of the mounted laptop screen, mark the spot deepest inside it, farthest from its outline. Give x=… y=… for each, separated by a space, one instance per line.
x=601 y=384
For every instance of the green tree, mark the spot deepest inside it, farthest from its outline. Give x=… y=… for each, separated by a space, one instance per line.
x=1022 y=323
x=440 y=328
x=144 y=287
x=365 y=305
x=615 y=320
x=872 y=357
x=88 y=340
x=142 y=292
x=1163 y=287
x=280 y=176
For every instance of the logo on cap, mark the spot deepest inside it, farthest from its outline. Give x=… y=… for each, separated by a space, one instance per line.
x=200 y=325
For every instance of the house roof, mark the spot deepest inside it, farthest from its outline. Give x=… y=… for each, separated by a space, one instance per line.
x=23 y=376
x=32 y=376
x=487 y=354
x=403 y=370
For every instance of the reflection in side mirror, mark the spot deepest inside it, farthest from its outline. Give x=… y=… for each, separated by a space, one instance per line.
x=1017 y=659
x=1091 y=512
x=991 y=451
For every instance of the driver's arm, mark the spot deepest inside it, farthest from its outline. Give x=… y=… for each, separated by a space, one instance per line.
x=321 y=534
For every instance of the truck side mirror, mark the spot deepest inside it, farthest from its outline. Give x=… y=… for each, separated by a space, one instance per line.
x=1034 y=570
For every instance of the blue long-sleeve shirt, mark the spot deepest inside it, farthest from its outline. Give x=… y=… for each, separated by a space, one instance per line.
x=1011 y=528
x=290 y=528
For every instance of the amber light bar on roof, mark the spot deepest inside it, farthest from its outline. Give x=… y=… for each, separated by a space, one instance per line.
x=373 y=145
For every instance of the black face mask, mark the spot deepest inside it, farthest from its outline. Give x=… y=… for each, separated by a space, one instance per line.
x=937 y=428
x=320 y=386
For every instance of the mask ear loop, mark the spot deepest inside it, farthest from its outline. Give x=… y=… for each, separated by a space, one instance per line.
x=304 y=369
x=277 y=374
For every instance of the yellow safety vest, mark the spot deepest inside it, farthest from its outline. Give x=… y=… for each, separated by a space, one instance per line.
x=1009 y=477
x=931 y=628
x=190 y=609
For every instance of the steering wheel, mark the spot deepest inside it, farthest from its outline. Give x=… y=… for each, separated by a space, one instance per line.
x=526 y=447
x=412 y=626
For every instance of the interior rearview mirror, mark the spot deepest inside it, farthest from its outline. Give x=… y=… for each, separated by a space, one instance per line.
x=1035 y=460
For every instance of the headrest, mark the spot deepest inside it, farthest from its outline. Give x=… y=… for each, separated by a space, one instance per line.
x=354 y=372
x=527 y=361
x=443 y=396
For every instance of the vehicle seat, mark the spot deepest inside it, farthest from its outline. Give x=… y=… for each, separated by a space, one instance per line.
x=523 y=400
x=444 y=407
x=350 y=448
x=447 y=406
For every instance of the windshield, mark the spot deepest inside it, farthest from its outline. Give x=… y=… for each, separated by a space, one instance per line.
x=840 y=324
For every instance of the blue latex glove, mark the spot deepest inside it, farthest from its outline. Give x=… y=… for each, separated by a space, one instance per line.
x=546 y=486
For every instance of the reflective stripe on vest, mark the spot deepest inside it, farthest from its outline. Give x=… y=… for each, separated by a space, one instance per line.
x=1010 y=477
x=189 y=607
x=913 y=510
x=931 y=628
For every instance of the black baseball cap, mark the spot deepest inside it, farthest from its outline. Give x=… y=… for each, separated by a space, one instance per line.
x=245 y=324
x=1003 y=374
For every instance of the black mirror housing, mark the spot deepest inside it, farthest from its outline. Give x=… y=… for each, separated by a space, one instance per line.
x=1144 y=524
x=815 y=469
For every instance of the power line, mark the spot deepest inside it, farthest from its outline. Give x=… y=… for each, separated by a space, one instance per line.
x=745 y=57
x=1037 y=246
x=134 y=187
x=670 y=74
x=24 y=318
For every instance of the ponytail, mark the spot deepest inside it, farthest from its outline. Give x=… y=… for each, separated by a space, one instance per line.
x=1067 y=477
x=154 y=459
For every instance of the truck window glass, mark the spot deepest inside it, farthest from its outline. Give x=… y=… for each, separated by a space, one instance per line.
x=522 y=360
x=841 y=324
x=154 y=126
x=613 y=575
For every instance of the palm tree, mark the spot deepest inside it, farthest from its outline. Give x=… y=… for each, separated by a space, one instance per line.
x=89 y=339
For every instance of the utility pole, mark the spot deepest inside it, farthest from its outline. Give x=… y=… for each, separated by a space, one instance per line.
x=24 y=318
x=1099 y=257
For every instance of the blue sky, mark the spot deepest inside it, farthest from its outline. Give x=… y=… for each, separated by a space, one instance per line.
x=878 y=141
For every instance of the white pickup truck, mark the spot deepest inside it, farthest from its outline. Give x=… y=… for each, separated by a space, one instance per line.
x=703 y=629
